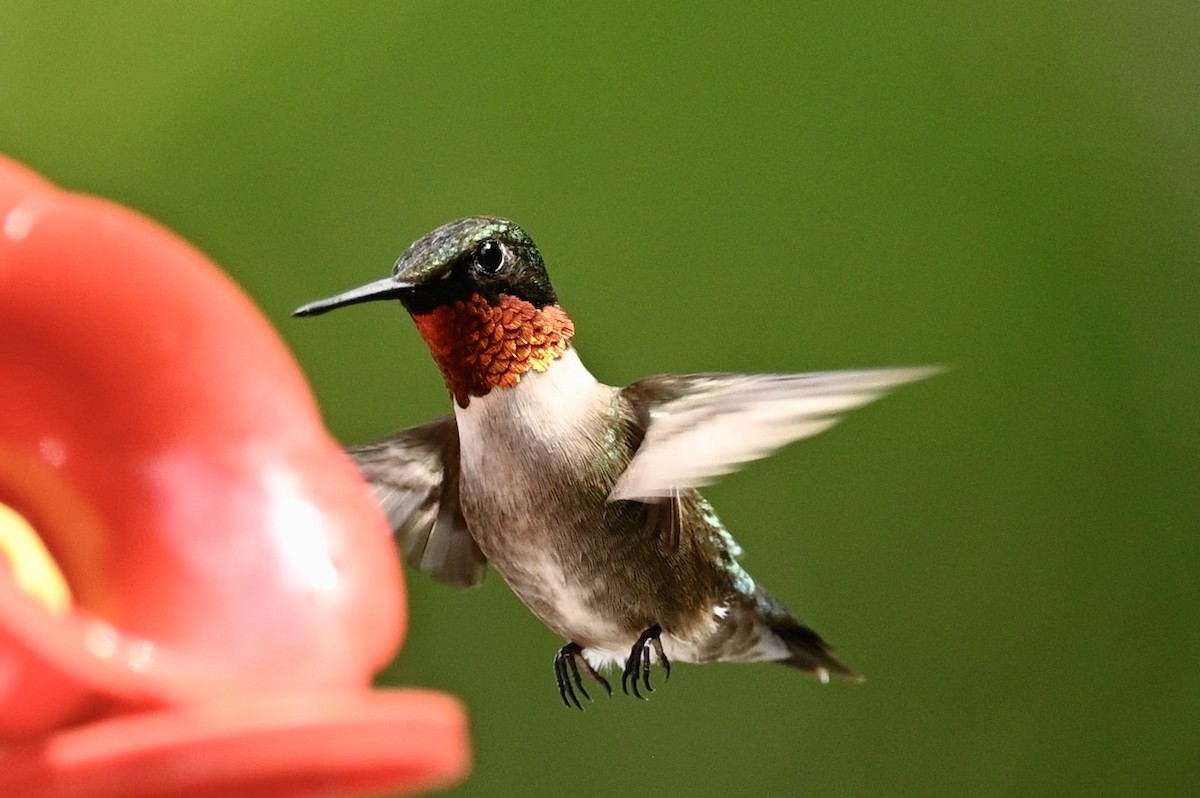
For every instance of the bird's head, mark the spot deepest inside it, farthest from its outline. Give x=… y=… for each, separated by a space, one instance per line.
x=478 y=290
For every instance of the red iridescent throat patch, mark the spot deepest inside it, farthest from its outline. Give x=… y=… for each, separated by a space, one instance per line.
x=479 y=346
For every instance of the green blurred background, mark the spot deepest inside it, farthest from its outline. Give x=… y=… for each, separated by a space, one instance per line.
x=1009 y=551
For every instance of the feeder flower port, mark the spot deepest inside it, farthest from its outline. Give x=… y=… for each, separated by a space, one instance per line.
x=195 y=585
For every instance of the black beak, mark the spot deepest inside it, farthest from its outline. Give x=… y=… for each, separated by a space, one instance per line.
x=386 y=288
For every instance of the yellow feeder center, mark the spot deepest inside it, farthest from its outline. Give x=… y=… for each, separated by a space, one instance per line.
x=33 y=569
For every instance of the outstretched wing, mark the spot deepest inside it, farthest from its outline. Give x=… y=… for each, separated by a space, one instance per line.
x=700 y=426
x=415 y=477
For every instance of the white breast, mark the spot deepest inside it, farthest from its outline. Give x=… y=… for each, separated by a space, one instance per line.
x=548 y=404
x=511 y=454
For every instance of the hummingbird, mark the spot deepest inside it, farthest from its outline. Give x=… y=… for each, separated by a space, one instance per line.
x=584 y=496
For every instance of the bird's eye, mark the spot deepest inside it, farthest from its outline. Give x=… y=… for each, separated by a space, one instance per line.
x=489 y=256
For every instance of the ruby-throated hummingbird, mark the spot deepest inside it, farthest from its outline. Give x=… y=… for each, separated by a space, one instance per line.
x=584 y=496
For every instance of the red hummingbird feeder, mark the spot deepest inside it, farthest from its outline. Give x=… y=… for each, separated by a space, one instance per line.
x=196 y=587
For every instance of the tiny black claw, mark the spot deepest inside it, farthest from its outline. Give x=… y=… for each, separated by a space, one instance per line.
x=631 y=675
x=666 y=663
x=646 y=668
x=565 y=690
x=566 y=672
x=637 y=667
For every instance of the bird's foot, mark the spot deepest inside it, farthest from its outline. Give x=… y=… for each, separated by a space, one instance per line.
x=637 y=667
x=566 y=671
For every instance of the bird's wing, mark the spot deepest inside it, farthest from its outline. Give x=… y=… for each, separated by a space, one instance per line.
x=700 y=426
x=415 y=477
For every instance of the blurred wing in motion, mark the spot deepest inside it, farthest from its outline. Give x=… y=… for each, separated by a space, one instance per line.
x=700 y=426
x=415 y=477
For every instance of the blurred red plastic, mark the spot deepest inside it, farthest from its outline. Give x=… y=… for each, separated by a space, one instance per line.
x=234 y=587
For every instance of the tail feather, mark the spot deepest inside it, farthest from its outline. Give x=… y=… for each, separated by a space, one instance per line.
x=808 y=651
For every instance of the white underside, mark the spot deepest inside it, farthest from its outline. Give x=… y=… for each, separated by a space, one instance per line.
x=570 y=602
x=562 y=401
x=551 y=403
